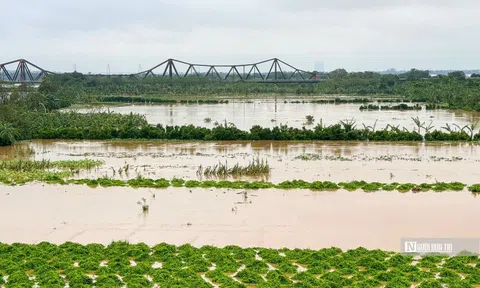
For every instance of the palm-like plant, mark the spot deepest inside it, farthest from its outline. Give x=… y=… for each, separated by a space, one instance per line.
x=448 y=128
x=472 y=127
x=371 y=127
x=418 y=123
x=393 y=128
x=429 y=127
x=8 y=134
x=348 y=124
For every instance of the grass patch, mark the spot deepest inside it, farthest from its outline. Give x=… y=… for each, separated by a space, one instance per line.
x=255 y=167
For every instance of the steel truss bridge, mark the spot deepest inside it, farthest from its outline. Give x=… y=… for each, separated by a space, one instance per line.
x=247 y=72
x=22 y=73
x=268 y=71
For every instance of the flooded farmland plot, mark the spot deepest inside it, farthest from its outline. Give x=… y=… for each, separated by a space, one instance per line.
x=309 y=161
x=270 y=113
x=267 y=217
x=220 y=217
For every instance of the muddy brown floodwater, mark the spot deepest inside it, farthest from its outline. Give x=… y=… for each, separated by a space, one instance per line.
x=274 y=218
x=268 y=113
x=333 y=161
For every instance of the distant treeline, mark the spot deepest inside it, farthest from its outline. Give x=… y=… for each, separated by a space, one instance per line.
x=28 y=113
x=454 y=91
x=136 y=99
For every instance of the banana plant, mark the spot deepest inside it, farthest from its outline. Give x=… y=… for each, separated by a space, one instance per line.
x=429 y=127
x=8 y=134
x=418 y=123
x=448 y=128
x=348 y=125
x=472 y=127
x=368 y=128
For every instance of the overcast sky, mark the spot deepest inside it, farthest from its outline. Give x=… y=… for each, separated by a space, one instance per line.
x=350 y=34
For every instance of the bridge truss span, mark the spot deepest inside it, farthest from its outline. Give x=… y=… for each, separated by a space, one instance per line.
x=269 y=71
x=25 y=71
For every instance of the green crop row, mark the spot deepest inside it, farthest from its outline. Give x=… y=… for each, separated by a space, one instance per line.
x=12 y=177
x=18 y=123
x=30 y=165
x=294 y=184
x=139 y=265
x=17 y=172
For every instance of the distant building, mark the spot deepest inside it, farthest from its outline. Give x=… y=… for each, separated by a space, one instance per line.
x=319 y=66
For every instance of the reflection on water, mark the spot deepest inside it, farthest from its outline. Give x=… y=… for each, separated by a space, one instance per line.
x=333 y=161
x=273 y=218
x=268 y=113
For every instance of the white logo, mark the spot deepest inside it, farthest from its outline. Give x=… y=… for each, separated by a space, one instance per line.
x=411 y=247
x=424 y=247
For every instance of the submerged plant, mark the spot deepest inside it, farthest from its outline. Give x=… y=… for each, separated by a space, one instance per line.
x=310 y=119
x=30 y=165
x=20 y=152
x=144 y=205
x=254 y=167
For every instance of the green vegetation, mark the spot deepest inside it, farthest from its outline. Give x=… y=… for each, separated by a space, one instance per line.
x=399 y=107
x=388 y=157
x=18 y=172
x=294 y=184
x=27 y=113
x=342 y=101
x=19 y=177
x=107 y=125
x=163 y=265
x=31 y=165
x=309 y=119
x=18 y=152
x=30 y=114
x=8 y=134
x=475 y=188
x=156 y=100
x=453 y=91
x=254 y=168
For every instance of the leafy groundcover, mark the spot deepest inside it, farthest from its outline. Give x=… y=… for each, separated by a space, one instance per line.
x=121 y=264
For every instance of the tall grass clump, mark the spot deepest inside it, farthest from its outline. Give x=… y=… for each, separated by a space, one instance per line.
x=255 y=167
x=31 y=165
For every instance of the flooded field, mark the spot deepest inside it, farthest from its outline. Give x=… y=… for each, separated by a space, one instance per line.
x=264 y=218
x=270 y=113
x=309 y=161
x=268 y=218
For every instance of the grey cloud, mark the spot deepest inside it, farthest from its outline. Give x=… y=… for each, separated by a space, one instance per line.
x=57 y=17
x=356 y=35
x=304 y=5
